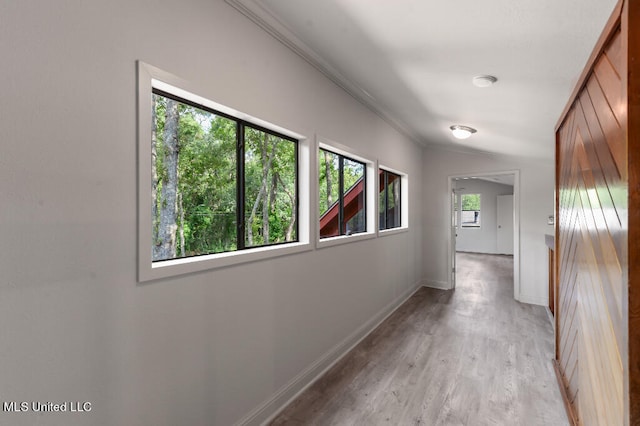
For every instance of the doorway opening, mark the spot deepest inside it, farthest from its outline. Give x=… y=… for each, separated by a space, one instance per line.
x=485 y=218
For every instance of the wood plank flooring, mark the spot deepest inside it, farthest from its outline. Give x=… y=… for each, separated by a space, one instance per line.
x=473 y=356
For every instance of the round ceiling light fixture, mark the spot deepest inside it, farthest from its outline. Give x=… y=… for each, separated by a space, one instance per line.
x=462 y=132
x=484 y=80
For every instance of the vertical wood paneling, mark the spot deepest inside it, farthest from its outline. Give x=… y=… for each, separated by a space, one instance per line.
x=591 y=241
x=631 y=271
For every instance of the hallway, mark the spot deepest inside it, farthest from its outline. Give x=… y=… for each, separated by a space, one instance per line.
x=473 y=356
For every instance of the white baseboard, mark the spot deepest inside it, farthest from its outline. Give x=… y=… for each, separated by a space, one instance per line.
x=441 y=285
x=533 y=300
x=267 y=411
x=550 y=316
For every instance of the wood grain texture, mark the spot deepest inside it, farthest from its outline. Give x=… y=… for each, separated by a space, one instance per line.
x=565 y=397
x=473 y=356
x=591 y=245
x=630 y=52
x=552 y=297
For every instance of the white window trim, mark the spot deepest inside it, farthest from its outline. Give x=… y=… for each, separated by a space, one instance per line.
x=371 y=209
x=404 y=204
x=150 y=77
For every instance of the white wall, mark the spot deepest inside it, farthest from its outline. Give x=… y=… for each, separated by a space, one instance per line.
x=485 y=238
x=536 y=204
x=202 y=349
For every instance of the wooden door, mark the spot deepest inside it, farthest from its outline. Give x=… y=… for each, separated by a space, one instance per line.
x=597 y=218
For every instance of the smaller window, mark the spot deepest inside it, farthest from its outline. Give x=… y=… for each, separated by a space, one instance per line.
x=389 y=200
x=342 y=195
x=470 y=210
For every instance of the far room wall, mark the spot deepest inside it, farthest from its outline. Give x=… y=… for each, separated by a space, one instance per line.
x=483 y=239
x=536 y=204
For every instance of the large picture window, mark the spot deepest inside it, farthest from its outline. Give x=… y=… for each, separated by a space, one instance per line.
x=342 y=194
x=389 y=200
x=219 y=184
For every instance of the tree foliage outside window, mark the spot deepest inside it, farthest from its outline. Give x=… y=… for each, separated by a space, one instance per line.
x=470 y=210
x=341 y=185
x=389 y=200
x=270 y=189
x=201 y=204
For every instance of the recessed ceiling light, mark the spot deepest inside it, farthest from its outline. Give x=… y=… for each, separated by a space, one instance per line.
x=484 y=80
x=462 y=132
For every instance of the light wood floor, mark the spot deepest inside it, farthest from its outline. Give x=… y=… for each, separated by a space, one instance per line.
x=473 y=356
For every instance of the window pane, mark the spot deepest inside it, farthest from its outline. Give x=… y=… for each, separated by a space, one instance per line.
x=393 y=201
x=328 y=180
x=470 y=214
x=341 y=189
x=382 y=201
x=389 y=200
x=193 y=181
x=353 y=197
x=270 y=189
x=328 y=188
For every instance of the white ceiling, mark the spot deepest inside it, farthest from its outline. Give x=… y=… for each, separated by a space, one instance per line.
x=412 y=61
x=502 y=179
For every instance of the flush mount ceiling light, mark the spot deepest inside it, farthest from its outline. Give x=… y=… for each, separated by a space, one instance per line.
x=484 y=80
x=462 y=132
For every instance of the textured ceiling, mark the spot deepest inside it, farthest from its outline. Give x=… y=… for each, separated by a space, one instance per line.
x=412 y=61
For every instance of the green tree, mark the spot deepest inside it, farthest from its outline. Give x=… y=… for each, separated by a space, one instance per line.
x=470 y=202
x=165 y=241
x=195 y=182
x=270 y=185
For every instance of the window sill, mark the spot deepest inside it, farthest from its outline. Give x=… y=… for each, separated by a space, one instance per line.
x=344 y=239
x=393 y=231
x=171 y=268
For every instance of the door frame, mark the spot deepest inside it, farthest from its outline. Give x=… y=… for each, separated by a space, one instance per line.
x=508 y=217
x=516 y=226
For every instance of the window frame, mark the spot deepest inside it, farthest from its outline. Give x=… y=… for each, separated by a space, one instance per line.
x=369 y=178
x=342 y=192
x=404 y=203
x=240 y=151
x=152 y=79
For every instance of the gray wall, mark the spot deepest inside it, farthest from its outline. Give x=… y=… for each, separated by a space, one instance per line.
x=201 y=349
x=485 y=238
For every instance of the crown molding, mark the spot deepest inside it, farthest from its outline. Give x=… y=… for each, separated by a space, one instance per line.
x=260 y=14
